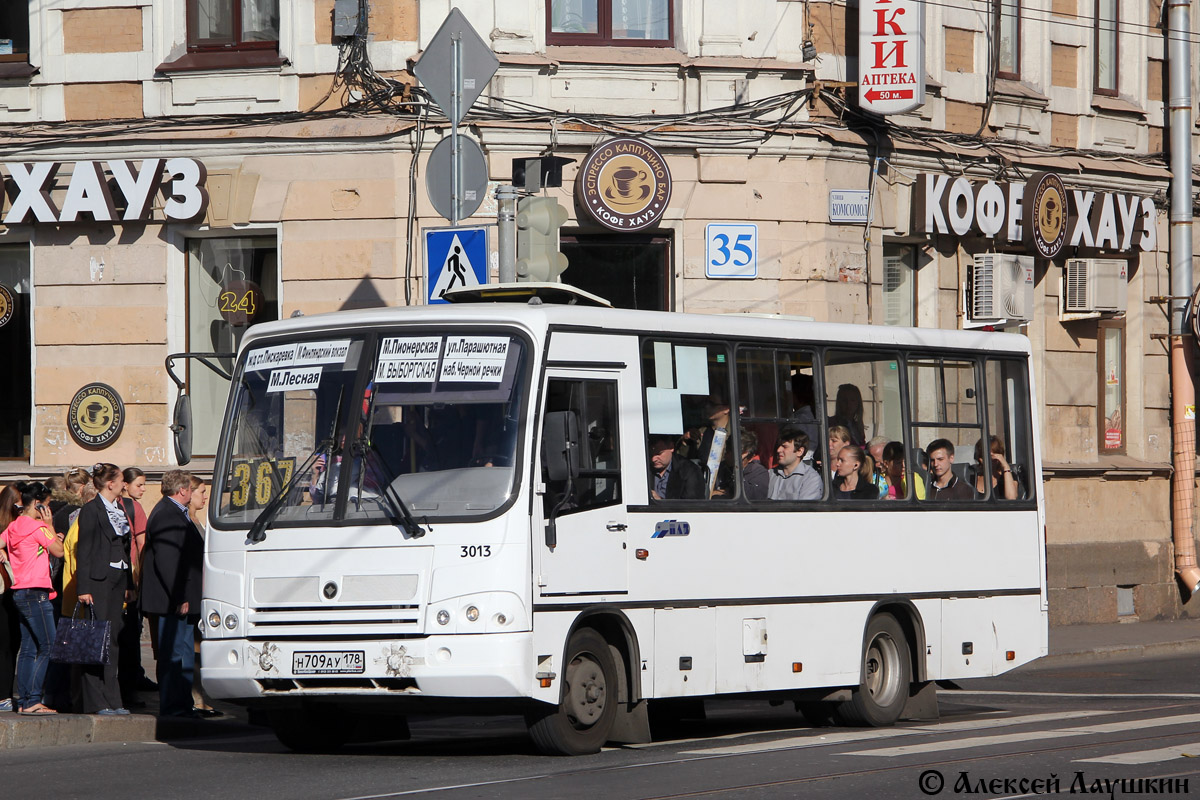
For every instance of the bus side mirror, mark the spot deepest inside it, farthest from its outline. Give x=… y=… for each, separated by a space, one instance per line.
x=182 y=428
x=560 y=445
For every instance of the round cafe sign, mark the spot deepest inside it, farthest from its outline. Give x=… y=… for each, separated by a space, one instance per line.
x=96 y=416
x=1046 y=217
x=6 y=305
x=624 y=184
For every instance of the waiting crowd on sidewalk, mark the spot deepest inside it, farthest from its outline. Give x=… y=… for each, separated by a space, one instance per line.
x=82 y=544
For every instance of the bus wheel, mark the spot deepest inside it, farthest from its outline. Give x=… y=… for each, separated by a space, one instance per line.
x=886 y=669
x=583 y=720
x=312 y=730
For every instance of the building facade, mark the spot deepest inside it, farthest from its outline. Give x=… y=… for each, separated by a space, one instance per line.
x=178 y=170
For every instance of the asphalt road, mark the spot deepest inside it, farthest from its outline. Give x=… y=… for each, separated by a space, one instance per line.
x=1083 y=728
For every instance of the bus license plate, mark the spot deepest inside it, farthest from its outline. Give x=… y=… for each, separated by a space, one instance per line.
x=336 y=662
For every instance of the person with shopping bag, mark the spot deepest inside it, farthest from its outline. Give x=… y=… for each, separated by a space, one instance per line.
x=105 y=582
x=27 y=544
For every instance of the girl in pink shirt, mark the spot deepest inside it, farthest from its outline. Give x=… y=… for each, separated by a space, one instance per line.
x=27 y=543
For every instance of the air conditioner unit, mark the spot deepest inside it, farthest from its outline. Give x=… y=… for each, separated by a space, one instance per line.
x=1002 y=287
x=1096 y=284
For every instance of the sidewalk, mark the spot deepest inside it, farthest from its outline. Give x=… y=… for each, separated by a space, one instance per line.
x=1077 y=644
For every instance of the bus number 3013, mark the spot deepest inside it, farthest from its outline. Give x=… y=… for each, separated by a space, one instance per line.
x=475 y=551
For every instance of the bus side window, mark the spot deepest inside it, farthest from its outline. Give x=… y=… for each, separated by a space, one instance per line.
x=1010 y=432
x=945 y=412
x=594 y=405
x=776 y=398
x=688 y=401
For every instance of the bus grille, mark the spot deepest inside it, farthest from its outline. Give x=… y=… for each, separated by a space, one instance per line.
x=325 y=621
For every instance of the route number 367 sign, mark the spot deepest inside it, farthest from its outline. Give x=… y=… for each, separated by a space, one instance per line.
x=731 y=250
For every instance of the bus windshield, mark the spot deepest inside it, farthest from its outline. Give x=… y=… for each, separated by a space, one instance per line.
x=350 y=426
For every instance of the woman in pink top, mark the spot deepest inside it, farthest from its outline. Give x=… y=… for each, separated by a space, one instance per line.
x=27 y=543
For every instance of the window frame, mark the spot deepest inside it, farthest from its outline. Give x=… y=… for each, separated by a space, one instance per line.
x=603 y=36
x=588 y=473
x=1097 y=32
x=1015 y=74
x=1101 y=384
x=194 y=45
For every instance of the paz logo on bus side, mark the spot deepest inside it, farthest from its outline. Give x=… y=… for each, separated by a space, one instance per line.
x=671 y=527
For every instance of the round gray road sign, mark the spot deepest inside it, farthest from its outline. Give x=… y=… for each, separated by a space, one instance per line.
x=474 y=177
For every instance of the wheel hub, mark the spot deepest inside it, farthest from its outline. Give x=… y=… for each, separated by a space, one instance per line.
x=586 y=692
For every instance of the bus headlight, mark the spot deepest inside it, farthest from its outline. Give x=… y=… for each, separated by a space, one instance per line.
x=443 y=617
x=214 y=619
x=472 y=613
x=231 y=621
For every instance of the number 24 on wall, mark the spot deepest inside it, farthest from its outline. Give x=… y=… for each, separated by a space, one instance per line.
x=731 y=250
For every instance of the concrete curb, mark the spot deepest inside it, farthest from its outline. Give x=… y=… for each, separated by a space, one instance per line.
x=1117 y=653
x=58 y=730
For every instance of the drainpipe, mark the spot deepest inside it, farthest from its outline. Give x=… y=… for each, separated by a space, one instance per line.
x=1183 y=391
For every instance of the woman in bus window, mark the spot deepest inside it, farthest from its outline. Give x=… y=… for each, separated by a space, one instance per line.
x=1004 y=485
x=852 y=475
x=848 y=413
x=839 y=437
x=897 y=473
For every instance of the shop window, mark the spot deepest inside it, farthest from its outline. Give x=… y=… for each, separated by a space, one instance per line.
x=1010 y=433
x=609 y=22
x=231 y=285
x=944 y=407
x=594 y=406
x=899 y=286
x=14 y=32
x=232 y=25
x=1110 y=341
x=1008 y=35
x=1107 y=51
x=627 y=271
x=15 y=352
x=689 y=413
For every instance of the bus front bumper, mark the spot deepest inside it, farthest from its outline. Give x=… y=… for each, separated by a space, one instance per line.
x=477 y=665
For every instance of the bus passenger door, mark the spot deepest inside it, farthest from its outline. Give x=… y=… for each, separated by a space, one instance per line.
x=583 y=551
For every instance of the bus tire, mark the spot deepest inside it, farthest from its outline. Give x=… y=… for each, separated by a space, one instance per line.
x=312 y=730
x=887 y=672
x=582 y=722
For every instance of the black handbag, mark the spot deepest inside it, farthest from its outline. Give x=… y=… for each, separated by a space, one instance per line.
x=81 y=641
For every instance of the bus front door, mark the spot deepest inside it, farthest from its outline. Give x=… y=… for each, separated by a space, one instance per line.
x=583 y=516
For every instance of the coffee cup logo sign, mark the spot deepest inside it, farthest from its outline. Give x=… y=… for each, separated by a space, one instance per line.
x=7 y=305
x=96 y=416
x=90 y=198
x=1040 y=214
x=624 y=184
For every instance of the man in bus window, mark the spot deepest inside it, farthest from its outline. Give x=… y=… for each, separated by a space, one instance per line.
x=944 y=484
x=672 y=477
x=793 y=478
x=756 y=479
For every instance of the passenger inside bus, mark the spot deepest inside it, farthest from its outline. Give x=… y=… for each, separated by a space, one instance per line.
x=716 y=451
x=897 y=473
x=852 y=475
x=1004 y=481
x=755 y=477
x=672 y=477
x=839 y=437
x=878 y=476
x=848 y=413
x=793 y=478
x=804 y=413
x=944 y=484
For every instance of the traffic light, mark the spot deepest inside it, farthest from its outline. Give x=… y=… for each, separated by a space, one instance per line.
x=538 y=221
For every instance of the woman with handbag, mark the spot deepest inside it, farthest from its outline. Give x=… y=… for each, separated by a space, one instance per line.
x=104 y=581
x=27 y=543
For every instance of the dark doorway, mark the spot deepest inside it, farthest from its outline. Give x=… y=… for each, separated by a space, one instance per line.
x=15 y=355
x=627 y=271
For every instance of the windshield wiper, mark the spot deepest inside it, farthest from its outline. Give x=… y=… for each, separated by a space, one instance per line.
x=399 y=514
x=258 y=530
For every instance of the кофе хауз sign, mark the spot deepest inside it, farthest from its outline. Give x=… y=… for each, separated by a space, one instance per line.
x=92 y=197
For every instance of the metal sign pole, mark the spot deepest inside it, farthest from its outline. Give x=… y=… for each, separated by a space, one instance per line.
x=455 y=155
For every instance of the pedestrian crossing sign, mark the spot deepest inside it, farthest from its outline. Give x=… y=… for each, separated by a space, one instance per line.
x=454 y=258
